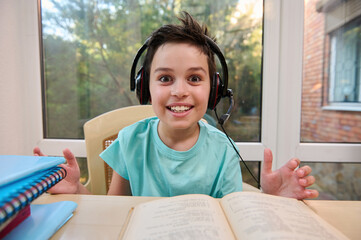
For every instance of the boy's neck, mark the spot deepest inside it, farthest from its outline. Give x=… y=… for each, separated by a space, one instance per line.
x=179 y=139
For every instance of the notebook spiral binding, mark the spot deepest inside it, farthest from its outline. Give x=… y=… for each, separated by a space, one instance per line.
x=25 y=195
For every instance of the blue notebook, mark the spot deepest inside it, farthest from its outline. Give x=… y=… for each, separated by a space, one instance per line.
x=44 y=221
x=15 y=167
x=24 y=178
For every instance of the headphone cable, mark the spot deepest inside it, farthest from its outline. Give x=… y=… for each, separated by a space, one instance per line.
x=235 y=149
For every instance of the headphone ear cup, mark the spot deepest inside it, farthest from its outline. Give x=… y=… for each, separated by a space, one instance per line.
x=142 y=86
x=216 y=91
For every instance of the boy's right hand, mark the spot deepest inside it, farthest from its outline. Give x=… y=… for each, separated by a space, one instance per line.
x=70 y=184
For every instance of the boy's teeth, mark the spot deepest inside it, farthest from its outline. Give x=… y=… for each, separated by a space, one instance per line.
x=179 y=108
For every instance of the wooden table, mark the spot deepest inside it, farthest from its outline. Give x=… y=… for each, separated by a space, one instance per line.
x=102 y=217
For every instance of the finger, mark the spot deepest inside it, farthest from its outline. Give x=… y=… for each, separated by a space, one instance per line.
x=63 y=165
x=307 y=181
x=311 y=193
x=304 y=171
x=37 y=152
x=293 y=163
x=267 y=161
x=70 y=158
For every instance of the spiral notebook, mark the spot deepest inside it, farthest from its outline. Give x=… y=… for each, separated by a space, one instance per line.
x=23 y=179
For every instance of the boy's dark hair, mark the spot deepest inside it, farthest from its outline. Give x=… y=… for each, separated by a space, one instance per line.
x=190 y=32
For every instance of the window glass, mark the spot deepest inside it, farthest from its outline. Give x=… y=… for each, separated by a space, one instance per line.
x=247 y=177
x=83 y=165
x=337 y=181
x=331 y=109
x=345 y=49
x=88 y=48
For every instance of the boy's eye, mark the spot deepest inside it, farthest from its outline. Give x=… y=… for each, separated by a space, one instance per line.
x=194 y=78
x=165 y=79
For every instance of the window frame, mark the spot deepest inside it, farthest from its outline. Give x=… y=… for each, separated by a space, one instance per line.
x=281 y=97
x=290 y=64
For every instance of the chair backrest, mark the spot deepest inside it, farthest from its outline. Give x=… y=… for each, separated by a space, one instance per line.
x=99 y=133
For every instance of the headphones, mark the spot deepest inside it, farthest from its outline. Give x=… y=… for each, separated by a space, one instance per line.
x=140 y=82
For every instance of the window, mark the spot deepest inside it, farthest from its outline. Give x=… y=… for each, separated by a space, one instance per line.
x=88 y=48
x=285 y=128
x=345 y=62
x=331 y=109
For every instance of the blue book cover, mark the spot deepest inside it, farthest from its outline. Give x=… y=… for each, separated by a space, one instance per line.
x=44 y=221
x=15 y=167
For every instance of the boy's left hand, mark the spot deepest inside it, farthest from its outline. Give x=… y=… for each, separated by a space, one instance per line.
x=286 y=181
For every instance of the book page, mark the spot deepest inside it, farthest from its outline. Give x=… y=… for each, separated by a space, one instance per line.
x=182 y=217
x=261 y=216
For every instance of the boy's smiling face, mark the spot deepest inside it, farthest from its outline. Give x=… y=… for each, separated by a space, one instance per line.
x=179 y=85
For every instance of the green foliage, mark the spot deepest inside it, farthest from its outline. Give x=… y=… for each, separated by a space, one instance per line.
x=89 y=47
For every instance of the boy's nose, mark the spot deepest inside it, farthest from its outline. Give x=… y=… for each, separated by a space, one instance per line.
x=179 y=88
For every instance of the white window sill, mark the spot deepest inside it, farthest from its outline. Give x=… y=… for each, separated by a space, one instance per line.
x=343 y=107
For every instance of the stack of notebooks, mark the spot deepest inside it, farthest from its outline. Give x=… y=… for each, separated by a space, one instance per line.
x=22 y=180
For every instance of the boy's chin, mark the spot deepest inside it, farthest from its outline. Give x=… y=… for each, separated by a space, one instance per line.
x=181 y=124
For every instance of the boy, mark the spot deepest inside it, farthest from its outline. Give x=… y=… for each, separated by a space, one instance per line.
x=176 y=153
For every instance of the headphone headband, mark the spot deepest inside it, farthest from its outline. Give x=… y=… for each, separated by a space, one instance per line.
x=135 y=62
x=215 y=49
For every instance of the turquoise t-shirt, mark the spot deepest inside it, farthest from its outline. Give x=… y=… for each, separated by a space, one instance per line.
x=210 y=167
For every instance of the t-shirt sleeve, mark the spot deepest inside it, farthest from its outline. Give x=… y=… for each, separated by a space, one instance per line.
x=114 y=157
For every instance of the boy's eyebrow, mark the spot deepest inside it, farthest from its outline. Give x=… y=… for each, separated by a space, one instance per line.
x=197 y=69
x=164 y=69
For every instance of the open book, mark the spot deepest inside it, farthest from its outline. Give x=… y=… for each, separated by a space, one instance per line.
x=240 y=215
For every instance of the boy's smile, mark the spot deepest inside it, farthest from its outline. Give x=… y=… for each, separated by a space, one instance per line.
x=179 y=109
x=179 y=86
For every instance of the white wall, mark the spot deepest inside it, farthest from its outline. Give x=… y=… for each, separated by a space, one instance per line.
x=19 y=76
